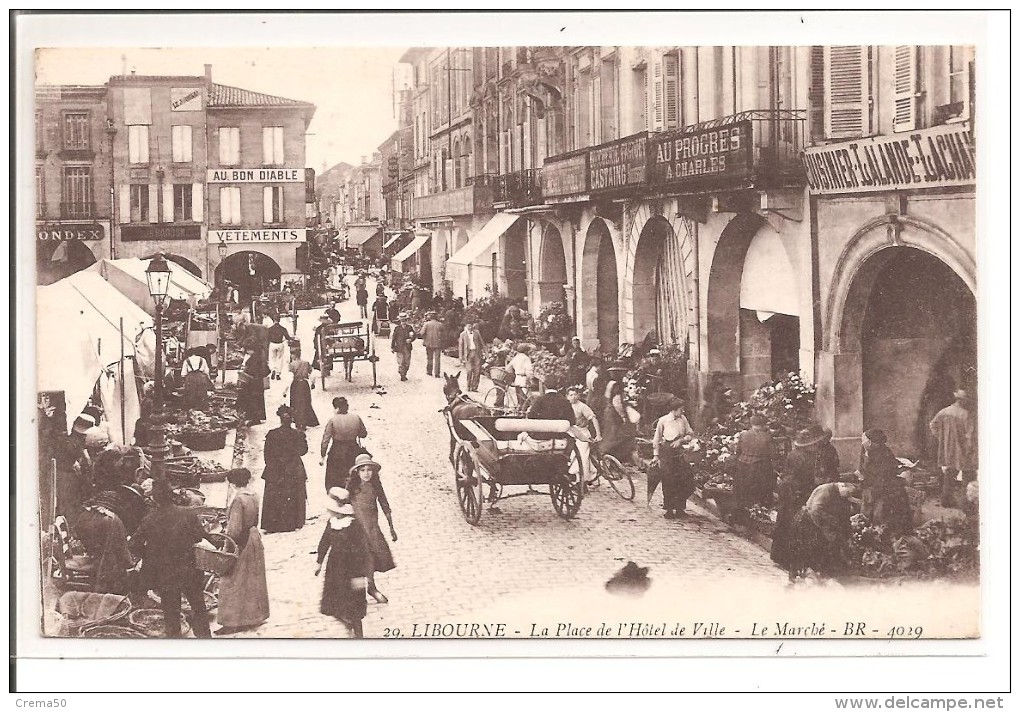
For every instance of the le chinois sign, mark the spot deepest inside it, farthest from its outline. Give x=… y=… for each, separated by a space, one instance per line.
x=930 y=158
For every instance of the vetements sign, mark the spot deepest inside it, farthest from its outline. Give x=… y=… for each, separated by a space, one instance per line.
x=931 y=158
x=297 y=234
x=695 y=158
x=256 y=175
x=45 y=232
x=619 y=164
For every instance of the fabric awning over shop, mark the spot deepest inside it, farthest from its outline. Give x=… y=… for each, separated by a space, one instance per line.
x=412 y=248
x=128 y=277
x=768 y=283
x=391 y=239
x=483 y=239
x=358 y=235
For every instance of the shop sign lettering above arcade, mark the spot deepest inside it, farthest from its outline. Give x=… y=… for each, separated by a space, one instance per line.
x=938 y=157
x=141 y=233
x=296 y=234
x=620 y=164
x=565 y=176
x=700 y=158
x=47 y=232
x=256 y=175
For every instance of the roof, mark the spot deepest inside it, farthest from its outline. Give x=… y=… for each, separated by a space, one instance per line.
x=223 y=96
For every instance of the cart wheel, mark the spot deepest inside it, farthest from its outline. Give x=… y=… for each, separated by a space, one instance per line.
x=618 y=476
x=469 y=485
x=565 y=492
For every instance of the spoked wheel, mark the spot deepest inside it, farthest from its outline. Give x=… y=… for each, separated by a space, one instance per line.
x=491 y=400
x=526 y=405
x=469 y=486
x=618 y=476
x=565 y=492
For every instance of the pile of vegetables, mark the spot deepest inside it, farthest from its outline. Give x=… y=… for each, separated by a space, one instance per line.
x=217 y=417
x=936 y=549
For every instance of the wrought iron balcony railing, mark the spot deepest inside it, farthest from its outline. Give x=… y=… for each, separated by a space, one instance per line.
x=77 y=211
x=519 y=189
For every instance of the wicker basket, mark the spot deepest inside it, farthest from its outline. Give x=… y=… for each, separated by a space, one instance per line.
x=219 y=562
x=499 y=375
x=149 y=621
x=110 y=630
x=203 y=442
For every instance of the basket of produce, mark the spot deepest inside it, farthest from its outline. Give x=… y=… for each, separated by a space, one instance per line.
x=500 y=375
x=81 y=609
x=149 y=621
x=110 y=630
x=218 y=557
x=204 y=441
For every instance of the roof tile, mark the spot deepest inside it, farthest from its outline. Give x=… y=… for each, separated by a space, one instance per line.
x=224 y=96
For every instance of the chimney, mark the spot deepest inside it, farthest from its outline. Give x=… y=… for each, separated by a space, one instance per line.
x=208 y=74
x=364 y=160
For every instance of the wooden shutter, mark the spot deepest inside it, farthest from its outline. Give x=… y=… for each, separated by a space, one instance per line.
x=658 y=106
x=153 y=203
x=124 y=203
x=197 y=205
x=904 y=88
x=267 y=204
x=168 y=202
x=278 y=144
x=816 y=95
x=671 y=92
x=847 y=96
x=267 y=145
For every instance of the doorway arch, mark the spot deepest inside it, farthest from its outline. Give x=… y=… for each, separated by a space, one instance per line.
x=659 y=291
x=552 y=268
x=56 y=260
x=253 y=272
x=182 y=261
x=600 y=296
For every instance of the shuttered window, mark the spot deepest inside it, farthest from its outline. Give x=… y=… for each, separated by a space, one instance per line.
x=139 y=203
x=230 y=145
x=960 y=67
x=230 y=206
x=816 y=95
x=77 y=136
x=197 y=206
x=658 y=107
x=180 y=139
x=904 y=88
x=40 y=193
x=671 y=90
x=138 y=144
x=182 y=202
x=272 y=145
x=640 y=85
x=272 y=204
x=847 y=91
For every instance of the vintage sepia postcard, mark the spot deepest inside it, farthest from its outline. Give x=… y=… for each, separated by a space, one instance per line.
x=448 y=340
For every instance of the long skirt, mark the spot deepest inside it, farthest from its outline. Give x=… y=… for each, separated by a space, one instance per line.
x=812 y=549
x=251 y=400
x=755 y=483
x=283 y=505
x=677 y=480
x=301 y=404
x=339 y=462
x=244 y=597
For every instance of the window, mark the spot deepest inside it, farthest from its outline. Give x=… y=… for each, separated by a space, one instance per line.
x=40 y=193
x=272 y=204
x=139 y=207
x=138 y=144
x=38 y=131
x=640 y=98
x=77 y=192
x=904 y=88
x=180 y=138
x=666 y=91
x=957 y=108
x=230 y=206
x=272 y=145
x=76 y=131
x=230 y=145
x=847 y=74
x=182 y=202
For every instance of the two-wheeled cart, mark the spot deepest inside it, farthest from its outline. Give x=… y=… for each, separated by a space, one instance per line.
x=490 y=454
x=346 y=342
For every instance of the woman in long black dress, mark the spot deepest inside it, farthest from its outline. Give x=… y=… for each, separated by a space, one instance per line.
x=301 y=395
x=283 y=506
x=251 y=396
x=805 y=465
x=349 y=564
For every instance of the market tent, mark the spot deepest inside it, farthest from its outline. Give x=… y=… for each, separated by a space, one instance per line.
x=412 y=249
x=80 y=343
x=128 y=276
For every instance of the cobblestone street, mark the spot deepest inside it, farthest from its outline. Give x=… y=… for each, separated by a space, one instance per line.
x=446 y=568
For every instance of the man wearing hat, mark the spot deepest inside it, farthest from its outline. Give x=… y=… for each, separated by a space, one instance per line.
x=400 y=343
x=470 y=348
x=432 y=337
x=955 y=434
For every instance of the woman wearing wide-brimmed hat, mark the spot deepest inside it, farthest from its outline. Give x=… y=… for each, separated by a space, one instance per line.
x=368 y=497
x=810 y=463
x=349 y=564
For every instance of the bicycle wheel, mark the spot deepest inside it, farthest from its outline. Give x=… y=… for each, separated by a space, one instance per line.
x=618 y=476
x=492 y=396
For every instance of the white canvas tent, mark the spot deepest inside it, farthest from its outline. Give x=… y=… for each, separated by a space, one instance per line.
x=80 y=343
x=128 y=276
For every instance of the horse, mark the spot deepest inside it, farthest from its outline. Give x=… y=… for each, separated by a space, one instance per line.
x=461 y=406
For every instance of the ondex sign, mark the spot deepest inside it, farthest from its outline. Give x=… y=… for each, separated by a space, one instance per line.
x=256 y=175
x=930 y=158
x=287 y=234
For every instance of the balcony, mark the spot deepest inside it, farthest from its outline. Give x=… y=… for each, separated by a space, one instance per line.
x=77 y=211
x=468 y=200
x=519 y=189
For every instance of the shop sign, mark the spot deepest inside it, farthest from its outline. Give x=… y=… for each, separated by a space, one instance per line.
x=700 y=158
x=47 y=232
x=189 y=99
x=256 y=175
x=158 y=233
x=565 y=176
x=931 y=158
x=619 y=164
x=295 y=234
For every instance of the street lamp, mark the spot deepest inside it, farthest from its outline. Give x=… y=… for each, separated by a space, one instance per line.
x=221 y=249
x=157 y=274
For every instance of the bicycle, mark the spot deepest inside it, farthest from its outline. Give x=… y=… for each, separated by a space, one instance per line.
x=503 y=398
x=608 y=468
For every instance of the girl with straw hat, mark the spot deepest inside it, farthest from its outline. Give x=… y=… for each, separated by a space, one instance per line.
x=368 y=497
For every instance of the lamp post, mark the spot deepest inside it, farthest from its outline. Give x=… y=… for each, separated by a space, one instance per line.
x=157 y=274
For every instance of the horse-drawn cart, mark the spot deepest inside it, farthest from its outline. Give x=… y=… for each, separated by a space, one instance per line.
x=491 y=452
x=346 y=342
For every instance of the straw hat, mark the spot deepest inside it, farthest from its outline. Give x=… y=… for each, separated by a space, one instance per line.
x=361 y=460
x=339 y=502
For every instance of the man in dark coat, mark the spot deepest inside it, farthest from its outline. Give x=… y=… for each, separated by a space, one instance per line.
x=400 y=343
x=165 y=541
x=551 y=405
x=432 y=337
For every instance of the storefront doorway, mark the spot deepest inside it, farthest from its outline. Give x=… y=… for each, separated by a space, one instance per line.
x=552 y=269
x=253 y=272
x=918 y=344
x=600 y=296
x=515 y=260
x=57 y=260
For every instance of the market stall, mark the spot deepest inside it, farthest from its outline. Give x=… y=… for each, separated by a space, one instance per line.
x=128 y=276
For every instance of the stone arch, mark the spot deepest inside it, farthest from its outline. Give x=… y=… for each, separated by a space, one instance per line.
x=599 y=293
x=723 y=300
x=862 y=259
x=235 y=267
x=182 y=261
x=57 y=260
x=552 y=266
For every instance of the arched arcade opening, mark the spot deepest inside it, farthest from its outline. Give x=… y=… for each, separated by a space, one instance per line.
x=254 y=273
x=600 y=285
x=552 y=266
